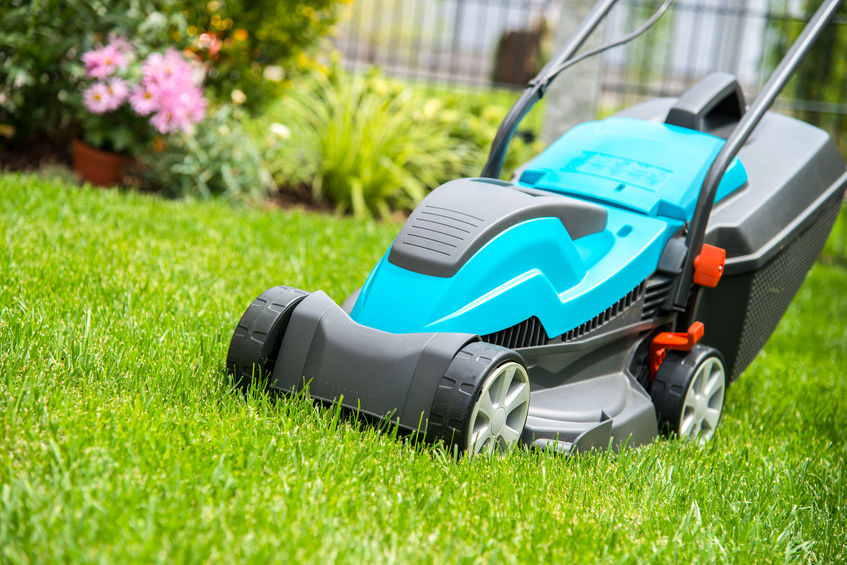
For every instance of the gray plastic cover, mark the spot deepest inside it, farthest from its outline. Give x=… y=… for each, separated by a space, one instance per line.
x=456 y=219
x=379 y=373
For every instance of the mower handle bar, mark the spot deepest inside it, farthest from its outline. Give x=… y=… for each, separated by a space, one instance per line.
x=706 y=199
x=681 y=290
x=538 y=85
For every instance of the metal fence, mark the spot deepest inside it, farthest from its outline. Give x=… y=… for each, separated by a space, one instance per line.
x=447 y=41
x=742 y=37
x=500 y=43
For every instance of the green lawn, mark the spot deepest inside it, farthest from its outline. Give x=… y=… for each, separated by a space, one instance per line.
x=121 y=440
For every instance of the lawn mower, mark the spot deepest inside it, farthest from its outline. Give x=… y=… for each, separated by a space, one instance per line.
x=610 y=292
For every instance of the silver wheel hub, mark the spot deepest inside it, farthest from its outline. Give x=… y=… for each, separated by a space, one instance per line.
x=703 y=404
x=499 y=415
x=498 y=421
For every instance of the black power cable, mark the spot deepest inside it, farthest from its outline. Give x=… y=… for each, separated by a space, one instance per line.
x=548 y=78
x=538 y=85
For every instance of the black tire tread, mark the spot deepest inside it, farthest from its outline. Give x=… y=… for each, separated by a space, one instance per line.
x=459 y=389
x=257 y=337
x=672 y=380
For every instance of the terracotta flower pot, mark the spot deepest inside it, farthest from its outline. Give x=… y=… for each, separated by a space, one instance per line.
x=102 y=168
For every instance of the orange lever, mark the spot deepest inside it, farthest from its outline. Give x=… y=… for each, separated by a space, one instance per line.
x=708 y=265
x=677 y=341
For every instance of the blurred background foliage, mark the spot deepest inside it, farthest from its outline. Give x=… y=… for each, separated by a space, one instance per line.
x=219 y=158
x=40 y=47
x=370 y=144
x=283 y=115
x=285 y=118
x=254 y=45
x=43 y=39
x=816 y=89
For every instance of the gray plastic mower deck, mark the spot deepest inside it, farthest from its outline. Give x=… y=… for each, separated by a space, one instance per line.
x=396 y=376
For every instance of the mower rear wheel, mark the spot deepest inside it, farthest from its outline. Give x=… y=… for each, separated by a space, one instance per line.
x=482 y=401
x=255 y=343
x=688 y=392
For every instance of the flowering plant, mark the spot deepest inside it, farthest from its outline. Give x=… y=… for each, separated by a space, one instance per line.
x=128 y=99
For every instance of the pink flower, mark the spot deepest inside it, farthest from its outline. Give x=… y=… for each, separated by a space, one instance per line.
x=119 y=92
x=93 y=61
x=169 y=92
x=211 y=42
x=151 y=69
x=122 y=46
x=171 y=120
x=143 y=101
x=169 y=88
x=168 y=68
x=179 y=109
x=162 y=121
x=193 y=104
x=97 y=98
x=103 y=61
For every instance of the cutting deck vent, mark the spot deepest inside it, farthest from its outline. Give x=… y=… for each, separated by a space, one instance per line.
x=606 y=316
x=655 y=294
x=529 y=333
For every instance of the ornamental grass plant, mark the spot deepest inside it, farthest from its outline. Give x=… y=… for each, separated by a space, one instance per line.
x=367 y=143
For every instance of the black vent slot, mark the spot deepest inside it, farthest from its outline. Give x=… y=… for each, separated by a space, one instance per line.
x=655 y=294
x=607 y=315
x=529 y=333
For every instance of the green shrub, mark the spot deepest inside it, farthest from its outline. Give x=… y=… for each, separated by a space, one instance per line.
x=249 y=35
x=218 y=158
x=439 y=135
x=474 y=119
x=367 y=144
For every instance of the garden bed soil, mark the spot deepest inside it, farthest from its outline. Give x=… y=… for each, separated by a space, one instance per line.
x=44 y=154
x=34 y=156
x=298 y=196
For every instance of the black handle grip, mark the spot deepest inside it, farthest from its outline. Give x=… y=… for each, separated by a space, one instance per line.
x=711 y=104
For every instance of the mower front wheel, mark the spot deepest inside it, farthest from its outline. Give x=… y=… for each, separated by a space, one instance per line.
x=482 y=402
x=688 y=392
x=255 y=343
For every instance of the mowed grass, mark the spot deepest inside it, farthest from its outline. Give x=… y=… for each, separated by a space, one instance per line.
x=122 y=441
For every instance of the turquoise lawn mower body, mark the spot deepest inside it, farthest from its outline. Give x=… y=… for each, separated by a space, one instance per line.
x=613 y=290
x=630 y=186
